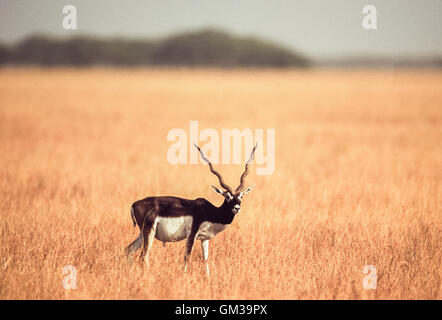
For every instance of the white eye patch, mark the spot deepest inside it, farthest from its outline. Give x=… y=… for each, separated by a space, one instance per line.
x=228 y=196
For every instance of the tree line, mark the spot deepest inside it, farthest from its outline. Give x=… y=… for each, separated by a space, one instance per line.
x=201 y=48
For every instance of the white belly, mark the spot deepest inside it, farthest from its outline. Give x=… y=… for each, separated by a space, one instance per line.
x=208 y=230
x=173 y=229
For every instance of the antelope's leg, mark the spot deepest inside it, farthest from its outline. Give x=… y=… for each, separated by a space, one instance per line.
x=148 y=230
x=148 y=241
x=134 y=246
x=205 y=250
x=189 y=245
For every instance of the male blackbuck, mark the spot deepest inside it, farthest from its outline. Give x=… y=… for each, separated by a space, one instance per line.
x=171 y=219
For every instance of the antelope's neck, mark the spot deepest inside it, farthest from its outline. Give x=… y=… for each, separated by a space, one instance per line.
x=224 y=213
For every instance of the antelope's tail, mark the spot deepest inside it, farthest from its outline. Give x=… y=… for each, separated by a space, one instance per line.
x=133 y=215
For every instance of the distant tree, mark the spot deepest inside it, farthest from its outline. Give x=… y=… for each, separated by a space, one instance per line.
x=217 y=48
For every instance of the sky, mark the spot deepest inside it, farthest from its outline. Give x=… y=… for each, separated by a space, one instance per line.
x=318 y=28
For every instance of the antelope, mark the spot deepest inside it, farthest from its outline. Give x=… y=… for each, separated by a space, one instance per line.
x=171 y=219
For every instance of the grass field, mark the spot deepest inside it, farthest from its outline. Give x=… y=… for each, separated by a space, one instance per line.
x=357 y=182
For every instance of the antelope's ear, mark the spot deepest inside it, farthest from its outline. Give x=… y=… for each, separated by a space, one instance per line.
x=247 y=190
x=218 y=190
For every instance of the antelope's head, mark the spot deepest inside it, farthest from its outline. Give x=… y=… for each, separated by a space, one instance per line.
x=232 y=198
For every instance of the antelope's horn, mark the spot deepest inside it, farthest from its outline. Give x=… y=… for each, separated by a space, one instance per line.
x=246 y=171
x=216 y=173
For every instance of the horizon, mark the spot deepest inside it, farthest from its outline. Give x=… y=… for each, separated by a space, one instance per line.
x=320 y=31
x=347 y=60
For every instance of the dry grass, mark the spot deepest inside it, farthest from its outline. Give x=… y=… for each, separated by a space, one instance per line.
x=357 y=182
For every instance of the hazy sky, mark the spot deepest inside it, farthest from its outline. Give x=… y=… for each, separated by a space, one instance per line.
x=319 y=28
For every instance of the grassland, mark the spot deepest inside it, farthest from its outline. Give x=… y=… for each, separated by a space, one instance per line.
x=357 y=182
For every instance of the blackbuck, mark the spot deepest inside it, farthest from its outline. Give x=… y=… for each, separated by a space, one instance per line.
x=171 y=219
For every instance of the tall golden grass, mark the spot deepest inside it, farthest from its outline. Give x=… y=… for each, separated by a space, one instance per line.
x=357 y=182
